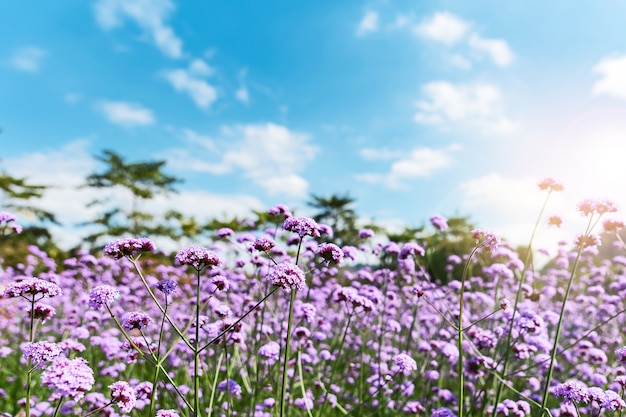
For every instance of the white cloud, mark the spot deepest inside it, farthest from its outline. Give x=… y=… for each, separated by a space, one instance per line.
x=28 y=59
x=191 y=82
x=368 y=24
x=459 y=61
x=150 y=15
x=72 y=97
x=612 y=82
x=443 y=27
x=200 y=68
x=269 y=155
x=126 y=114
x=497 y=49
x=419 y=163
x=242 y=94
x=477 y=106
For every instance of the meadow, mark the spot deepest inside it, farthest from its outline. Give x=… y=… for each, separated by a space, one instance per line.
x=283 y=322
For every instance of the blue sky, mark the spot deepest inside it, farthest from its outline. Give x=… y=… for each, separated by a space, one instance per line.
x=414 y=108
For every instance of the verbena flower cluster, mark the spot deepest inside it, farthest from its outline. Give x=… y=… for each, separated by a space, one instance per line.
x=371 y=327
x=129 y=247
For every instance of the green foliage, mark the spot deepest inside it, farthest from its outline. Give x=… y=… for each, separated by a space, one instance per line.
x=15 y=191
x=337 y=212
x=143 y=180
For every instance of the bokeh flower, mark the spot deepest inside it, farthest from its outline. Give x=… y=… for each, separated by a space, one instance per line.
x=287 y=276
x=129 y=247
x=102 y=295
x=123 y=395
x=303 y=226
x=197 y=257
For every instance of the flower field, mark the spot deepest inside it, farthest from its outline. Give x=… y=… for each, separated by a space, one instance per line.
x=282 y=322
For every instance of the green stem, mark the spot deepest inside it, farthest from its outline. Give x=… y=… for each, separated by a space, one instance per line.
x=283 y=389
x=214 y=388
x=31 y=337
x=460 y=333
x=518 y=297
x=226 y=330
x=196 y=353
x=300 y=374
x=156 y=301
x=546 y=390
x=156 y=370
x=337 y=358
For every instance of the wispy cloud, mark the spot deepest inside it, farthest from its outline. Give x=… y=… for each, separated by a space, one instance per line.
x=150 y=15
x=497 y=49
x=451 y=30
x=243 y=94
x=368 y=24
x=478 y=106
x=443 y=27
x=28 y=59
x=191 y=81
x=612 y=72
x=270 y=155
x=420 y=162
x=126 y=114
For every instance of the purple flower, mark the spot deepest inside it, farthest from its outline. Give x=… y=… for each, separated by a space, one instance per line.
x=443 y=412
x=68 y=377
x=350 y=252
x=621 y=354
x=129 y=247
x=225 y=232
x=331 y=253
x=409 y=249
x=167 y=413
x=572 y=392
x=326 y=230
x=439 y=222
x=366 y=233
x=550 y=184
x=404 y=363
x=42 y=312
x=102 y=295
x=232 y=386
x=287 y=276
x=486 y=239
x=281 y=209
x=590 y=206
x=351 y=296
x=263 y=244
x=123 y=395
x=270 y=351
x=303 y=226
x=7 y=218
x=612 y=401
x=413 y=407
x=41 y=352
x=166 y=286
x=586 y=241
x=136 y=320
x=220 y=282
x=32 y=287
x=198 y=257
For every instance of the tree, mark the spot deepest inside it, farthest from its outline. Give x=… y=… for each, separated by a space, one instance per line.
x=143 y=180
x=15 y=196
x=336 y=211
x=18 y=189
